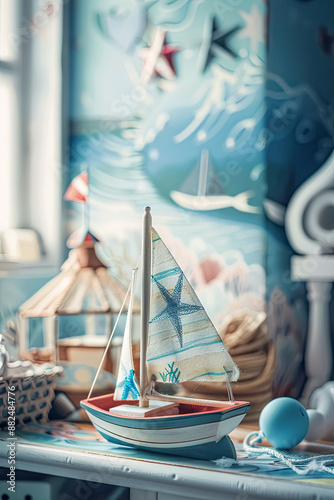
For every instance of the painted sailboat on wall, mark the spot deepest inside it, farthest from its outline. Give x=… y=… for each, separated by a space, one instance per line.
x=178 y=343
x=209 y=194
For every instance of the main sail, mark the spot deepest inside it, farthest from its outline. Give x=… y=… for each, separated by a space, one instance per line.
x=127 y=386
x=183 y=344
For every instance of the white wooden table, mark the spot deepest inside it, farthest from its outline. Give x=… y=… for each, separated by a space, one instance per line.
x=159 y=481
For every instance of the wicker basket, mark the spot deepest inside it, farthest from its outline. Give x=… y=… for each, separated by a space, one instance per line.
x=33 y=396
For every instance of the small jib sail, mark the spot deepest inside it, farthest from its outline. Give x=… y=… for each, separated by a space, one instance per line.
x=183 y=344
x=127 y=386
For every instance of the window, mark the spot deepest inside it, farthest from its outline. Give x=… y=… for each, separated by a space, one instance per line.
x=30 y=124
x=9 y=115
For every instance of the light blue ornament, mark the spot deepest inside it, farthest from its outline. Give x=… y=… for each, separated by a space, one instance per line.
x=284 y=422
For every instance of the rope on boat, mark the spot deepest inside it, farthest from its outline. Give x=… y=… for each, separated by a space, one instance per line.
x=113 y=330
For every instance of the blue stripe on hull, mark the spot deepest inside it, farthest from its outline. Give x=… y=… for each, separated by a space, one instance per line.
x=209 y=451
x=168 y=422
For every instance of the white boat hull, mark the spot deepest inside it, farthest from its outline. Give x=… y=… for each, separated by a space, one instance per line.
x=197 y=430
x=156 y=438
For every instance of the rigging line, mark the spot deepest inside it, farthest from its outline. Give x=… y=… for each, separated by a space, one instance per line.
x=229 y=387
x=113 y=330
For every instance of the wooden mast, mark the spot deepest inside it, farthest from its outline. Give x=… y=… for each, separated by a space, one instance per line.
x=145 y=301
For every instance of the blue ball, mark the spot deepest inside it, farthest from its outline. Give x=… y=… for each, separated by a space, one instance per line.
x=284 y=422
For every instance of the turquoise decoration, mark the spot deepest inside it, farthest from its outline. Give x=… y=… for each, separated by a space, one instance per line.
x=130 y=386
x=171 y=374
x=284 y=422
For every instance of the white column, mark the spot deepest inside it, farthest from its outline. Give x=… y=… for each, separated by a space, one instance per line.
x=318 y=273
x=318 y=354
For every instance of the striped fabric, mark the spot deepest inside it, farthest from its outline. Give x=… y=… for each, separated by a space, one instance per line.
x=183 y=344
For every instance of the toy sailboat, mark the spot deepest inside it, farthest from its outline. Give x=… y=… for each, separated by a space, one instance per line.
x=178 y=343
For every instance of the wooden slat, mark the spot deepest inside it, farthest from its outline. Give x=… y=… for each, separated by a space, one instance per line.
x=190 y=401
x=114 y=292
x=46 y=301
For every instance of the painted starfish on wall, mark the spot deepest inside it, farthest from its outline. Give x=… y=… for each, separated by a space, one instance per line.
x=254 y=27
x=219 y=42
x=174 y=308
x=158 y=58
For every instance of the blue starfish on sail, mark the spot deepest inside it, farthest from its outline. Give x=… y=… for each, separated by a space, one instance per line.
x=180 y=330
x=174 y=308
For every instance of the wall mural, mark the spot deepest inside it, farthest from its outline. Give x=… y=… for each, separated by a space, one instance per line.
x=167 y=115
x=175 y=105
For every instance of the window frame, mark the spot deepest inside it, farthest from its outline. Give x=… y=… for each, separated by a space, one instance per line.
x=37 y=183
